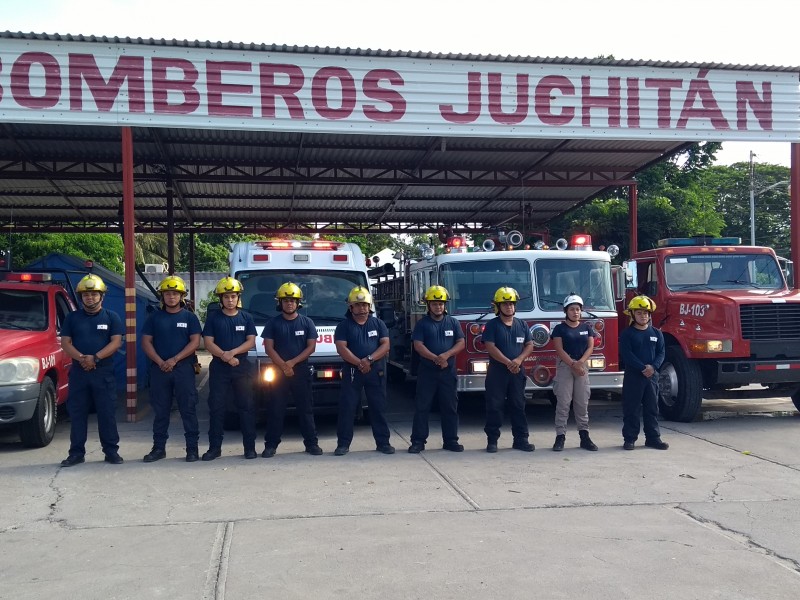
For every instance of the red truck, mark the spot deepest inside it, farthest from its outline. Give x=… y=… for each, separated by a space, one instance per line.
x=33 y=367
x=728 y=317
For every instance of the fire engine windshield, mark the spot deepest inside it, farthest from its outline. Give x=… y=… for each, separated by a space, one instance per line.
x=324 y=292
x=557 y=278
x=23 y=310
x=472 y=284
x=723 y=272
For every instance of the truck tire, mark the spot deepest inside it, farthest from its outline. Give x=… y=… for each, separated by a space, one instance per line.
x=796 y=398
x=680 y=387
x=38 y=432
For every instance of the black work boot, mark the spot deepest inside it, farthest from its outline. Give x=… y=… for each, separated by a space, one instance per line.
x=192 y=454
x=155 y=454
x=586 y=441
x=558 y=446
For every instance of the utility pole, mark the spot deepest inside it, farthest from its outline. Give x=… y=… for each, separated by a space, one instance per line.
x=752 y=200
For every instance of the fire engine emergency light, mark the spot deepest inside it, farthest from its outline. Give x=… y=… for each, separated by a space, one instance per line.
x=699 y=241
x=29 y=277
x=582 y=241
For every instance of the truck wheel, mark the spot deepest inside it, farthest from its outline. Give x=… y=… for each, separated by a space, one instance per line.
x=680 y=387
x=796 y=398
x=40 y=429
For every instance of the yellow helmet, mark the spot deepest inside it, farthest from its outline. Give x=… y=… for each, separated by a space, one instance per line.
x=91 y=283
x=289 y=290
x=505 y=294
x=227 y=285
x=359 y=294
x=436 y=293
x=173 y=283
x=640 y=303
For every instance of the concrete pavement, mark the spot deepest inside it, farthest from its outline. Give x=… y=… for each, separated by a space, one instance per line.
x=715 y=516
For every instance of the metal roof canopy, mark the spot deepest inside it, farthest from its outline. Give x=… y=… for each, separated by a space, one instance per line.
x=61 y=166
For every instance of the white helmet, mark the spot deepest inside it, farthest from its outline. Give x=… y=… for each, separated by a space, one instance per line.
x=573 y=299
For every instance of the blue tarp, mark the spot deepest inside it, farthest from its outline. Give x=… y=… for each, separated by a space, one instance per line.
x=69 y=270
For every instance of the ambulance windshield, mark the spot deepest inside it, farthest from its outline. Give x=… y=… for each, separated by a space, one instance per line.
x=324 y=292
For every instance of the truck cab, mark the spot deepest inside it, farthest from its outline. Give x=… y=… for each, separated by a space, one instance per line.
x=33 y=367
x=727 y=315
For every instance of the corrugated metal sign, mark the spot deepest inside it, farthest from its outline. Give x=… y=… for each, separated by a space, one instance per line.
x=45 y=81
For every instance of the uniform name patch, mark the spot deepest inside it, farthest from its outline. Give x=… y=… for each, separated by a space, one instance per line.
x=583 y=332
x=240 y=328
x=102 y=326
x=448 y=333
x=653 y=338
x=184 y=325
x=520 y=340
x=301 y=332
x=372 y=333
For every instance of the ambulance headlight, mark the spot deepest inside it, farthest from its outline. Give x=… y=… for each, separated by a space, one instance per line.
x=269 y=374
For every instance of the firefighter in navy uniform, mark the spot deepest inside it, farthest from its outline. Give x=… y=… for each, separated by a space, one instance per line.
x=91 y=337
x=437 y=339
x=289 y=339
x=170 y=337
x=228 y=335
x=508 y=342
x=641 y=348
x=362 y=340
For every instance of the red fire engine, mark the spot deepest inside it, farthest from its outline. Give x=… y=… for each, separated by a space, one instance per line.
x=542 y=277
x=728 y=319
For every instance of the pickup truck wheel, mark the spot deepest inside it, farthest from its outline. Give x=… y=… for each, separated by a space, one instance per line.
x=796 y=398
x=680 y=387
x=39 y=431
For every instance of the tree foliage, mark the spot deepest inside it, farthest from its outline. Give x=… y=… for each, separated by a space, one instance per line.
x=103 y=248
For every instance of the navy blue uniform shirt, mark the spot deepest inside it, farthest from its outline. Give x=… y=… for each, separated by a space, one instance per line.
x=290 y=337
x=510 y=340
x=574 y=340
x=362 y=340
x=229 y=332
x=438 y=337
x=92 y=333
x=171 y=331
x=641 y=347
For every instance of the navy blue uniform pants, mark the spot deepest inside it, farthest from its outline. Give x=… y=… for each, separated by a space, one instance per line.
x=433 y=382
x=502 y=385
x=374 y=386
x=222 y=380
x=87 y=387
x=299 y=388
x=639 y=405
x=179 y=383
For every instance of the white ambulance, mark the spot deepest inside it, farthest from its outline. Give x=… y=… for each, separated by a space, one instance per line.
x=326 y=271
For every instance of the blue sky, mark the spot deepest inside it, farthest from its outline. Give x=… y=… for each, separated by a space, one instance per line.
x=731 y=31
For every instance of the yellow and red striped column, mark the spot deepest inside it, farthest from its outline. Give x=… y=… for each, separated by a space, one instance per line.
x=130 y=271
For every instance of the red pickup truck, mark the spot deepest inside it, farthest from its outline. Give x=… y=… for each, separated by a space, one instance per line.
x=33 y=367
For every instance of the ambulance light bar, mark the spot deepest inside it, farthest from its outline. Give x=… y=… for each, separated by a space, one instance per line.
x=297 y=245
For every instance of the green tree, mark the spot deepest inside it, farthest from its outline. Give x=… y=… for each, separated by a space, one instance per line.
x=103 y=248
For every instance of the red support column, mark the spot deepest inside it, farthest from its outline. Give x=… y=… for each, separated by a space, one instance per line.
x=794 y=199
x=130 y=282
x=633 y=217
